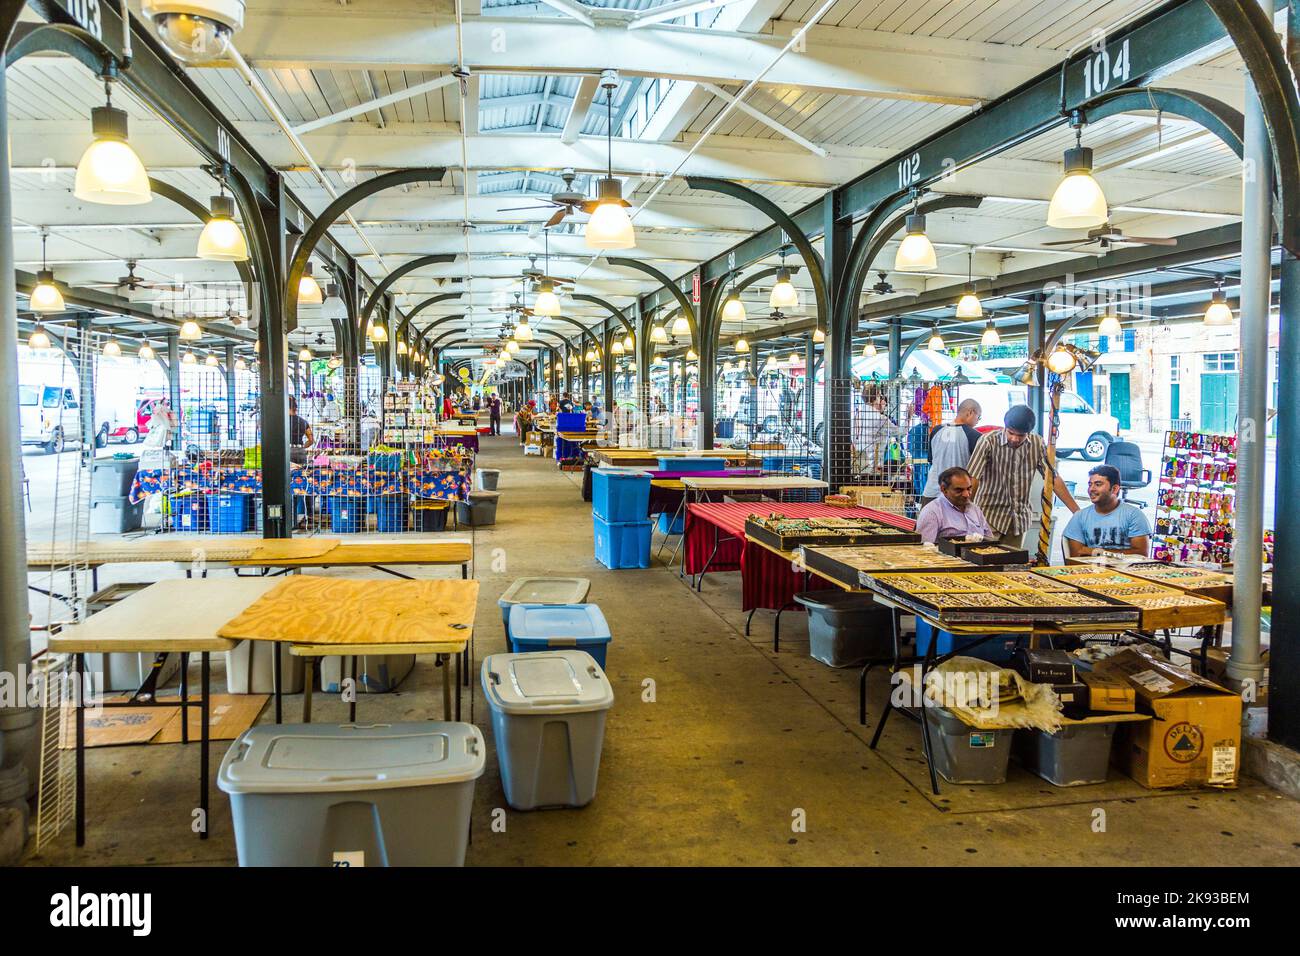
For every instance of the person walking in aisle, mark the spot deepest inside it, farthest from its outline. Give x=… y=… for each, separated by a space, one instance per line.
x=494 y=413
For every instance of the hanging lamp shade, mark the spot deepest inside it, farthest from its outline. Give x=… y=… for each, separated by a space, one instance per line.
x=189 y=359
x=616 y=347
x=990 y=337
x=610 y=227
x=523 y=331
x=402 y=347
x=969 y=306
x=190 y=330
x=784 y=294
x=770 y=364
x=39 y=340
x=111 y=348
x=221 y=239
x=573 y=361
x=241 y=365
x=1078 y=202
x=547 y=303
x=819 y=337
x=936 y=340
x=733 y=310
x=512 y=347
x=658 y=335
x=691 y=356
x=308 y=289
x=629 y=343
x=377 y=332
x=1110 y=325
x=45 y=295
x=109 y=172
x=869 y=350
x=681 y=326
x=741 y=345
x=146 y=351
x=591 y=355
x=1218 y=312
x=304 y=354
x=1062 y=360
x=212 y=360
x=915 y=252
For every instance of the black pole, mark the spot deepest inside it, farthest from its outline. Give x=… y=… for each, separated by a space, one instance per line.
x=277 y=496
x=1284 y=664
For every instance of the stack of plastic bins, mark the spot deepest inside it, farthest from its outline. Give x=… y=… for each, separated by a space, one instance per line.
x=111 y=511
x=542 y=627
x=350 y=795
x=797 y=467
x=542 y=591
x=620 y=502
x=548 y=721
x=480 y=511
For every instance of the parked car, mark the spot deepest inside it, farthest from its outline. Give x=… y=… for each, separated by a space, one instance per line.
x=48 y=416
x=1083 y=430
x=132 y=433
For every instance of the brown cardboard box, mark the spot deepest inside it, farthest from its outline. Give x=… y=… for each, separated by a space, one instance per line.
x=1195 y=738
x=1216 y=669
x=1110 y=695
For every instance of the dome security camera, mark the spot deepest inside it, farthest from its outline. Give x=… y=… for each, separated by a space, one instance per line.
x=195 y=31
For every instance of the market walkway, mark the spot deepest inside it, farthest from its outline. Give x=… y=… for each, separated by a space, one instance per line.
x=721 y=764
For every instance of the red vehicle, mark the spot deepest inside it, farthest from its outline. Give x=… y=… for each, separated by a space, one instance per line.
x=132 y=433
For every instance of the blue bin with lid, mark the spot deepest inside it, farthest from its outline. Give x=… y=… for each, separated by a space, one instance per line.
x=230 y=512
x=189 y=512
x=390 y=513
x=554 y=627
x=620 y=496
x=621 y=544
x=671 y=523
x=996 y=650
x=798 y=466
x=347 y=514
x=571 y=422
x=673 y=463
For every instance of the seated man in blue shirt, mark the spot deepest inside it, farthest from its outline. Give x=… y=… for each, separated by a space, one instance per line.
x=954 y=513
x=1108 y=524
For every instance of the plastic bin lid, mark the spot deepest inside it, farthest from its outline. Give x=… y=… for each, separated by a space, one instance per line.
x=620 y=471
x=546 y=591
x=324 y=758
x=550 y=682
x=558 y=620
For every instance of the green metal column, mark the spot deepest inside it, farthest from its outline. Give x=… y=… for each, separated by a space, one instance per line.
x=1284 y=655
x=232 y=413
x=277 y=496
x=1037 y=339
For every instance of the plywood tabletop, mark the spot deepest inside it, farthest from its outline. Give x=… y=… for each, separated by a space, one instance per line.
x=756 y=482
x=181 y=615
x=369 y=553
x=322 y=610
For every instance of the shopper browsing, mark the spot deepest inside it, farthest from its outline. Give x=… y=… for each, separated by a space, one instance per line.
x=1108 y=524
x=953 y=514
x=951 y=446
x=1003 y=465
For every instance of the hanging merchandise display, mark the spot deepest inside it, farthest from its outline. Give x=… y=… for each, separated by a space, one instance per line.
x=1196 y=497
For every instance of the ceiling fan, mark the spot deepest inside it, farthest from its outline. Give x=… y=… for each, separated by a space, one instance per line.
x=517 y=307
x=1108 y=235
x=882 y=287
x=565 y=202
x=536 y=275
x=128 y=285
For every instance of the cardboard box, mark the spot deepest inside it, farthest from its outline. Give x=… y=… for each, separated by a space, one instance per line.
x=1044 y=665
x=1108 y=694
x=1195 y=738
x=1074 y=699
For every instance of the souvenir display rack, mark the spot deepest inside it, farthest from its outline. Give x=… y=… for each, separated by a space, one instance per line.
x=1196 y=498
x=1161 y=606
x=848 y=564
x=786 y=534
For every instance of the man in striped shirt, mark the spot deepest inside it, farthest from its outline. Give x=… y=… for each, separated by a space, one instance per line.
x=1003 y=465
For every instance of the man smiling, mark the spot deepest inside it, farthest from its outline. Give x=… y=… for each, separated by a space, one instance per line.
x=1108 y=524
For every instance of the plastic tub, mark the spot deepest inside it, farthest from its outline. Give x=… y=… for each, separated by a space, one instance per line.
x=548 y=720
x=689 y=464
x=1074 y=756
x=846 y=629
x=376 y=674
x=115 y=515
x=347 y=515
x=189 y=512
x=230 y=513
x=112 y=477
x=479 y=511
x=250 y=668
x=796 y=466
x=542 y=591
x=430 y=517
x=620 y=495
x=670 y=524
x=550 y=627
x=963 y=754
x=357 y=795
x=122 y=671
x=997 y=649
x=488 y=478
x=390 y=513
x=571 y=422
x=621 y=544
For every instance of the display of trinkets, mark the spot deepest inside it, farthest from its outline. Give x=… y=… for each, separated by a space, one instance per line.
x=1196 y=498
x=786 y=534
x=1161 y=606
x=847 y=564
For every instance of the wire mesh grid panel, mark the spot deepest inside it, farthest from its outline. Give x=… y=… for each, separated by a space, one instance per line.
x=58 y=688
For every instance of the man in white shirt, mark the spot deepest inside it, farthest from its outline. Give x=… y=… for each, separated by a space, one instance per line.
x=954 y=513
x=951 y=446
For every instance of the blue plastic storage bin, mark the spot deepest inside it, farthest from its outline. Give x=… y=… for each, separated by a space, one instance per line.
x=691 y=464
x=796 y=465
x=621 y=544
x=551 y=627
x=996 y=650
x=230 y=513
x=620 y=496
x=347 y=515
x=390 y=513
x=189 y=512
x=566 y=450
x=571 y=422
x=670 y=525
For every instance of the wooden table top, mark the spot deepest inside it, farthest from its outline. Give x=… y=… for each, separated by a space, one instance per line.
x=179 y=615
x=757 y=482
x=369 y=553
x=180 y=549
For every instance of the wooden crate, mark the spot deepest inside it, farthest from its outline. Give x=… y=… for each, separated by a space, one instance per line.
x=880 y=497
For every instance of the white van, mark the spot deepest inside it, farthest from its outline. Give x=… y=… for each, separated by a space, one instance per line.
x=1083 y=430
x=48 y=416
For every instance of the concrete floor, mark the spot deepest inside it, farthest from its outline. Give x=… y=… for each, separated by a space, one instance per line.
x=737 y=745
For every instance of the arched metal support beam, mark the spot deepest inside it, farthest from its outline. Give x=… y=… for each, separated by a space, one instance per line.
x=331 y=213
x=1217 y=117
x=202 y=214
x=443 y=320
x=404 y=269
x=682 y=299
x=613 y=310
x=421 y=306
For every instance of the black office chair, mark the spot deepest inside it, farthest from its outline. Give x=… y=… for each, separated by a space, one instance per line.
x=1126 y=457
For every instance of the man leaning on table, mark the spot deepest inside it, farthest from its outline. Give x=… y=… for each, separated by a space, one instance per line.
x=1108 y=524
x=953 y=514
x=1003 y=465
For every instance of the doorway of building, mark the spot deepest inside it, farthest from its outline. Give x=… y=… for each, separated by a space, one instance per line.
x=1119 y=398
x=1219 y=392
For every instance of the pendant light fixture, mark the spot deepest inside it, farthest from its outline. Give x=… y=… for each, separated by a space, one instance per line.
x=616 y=347
x=1110 y=325
x=629 y=343
x=573 y=360
x=936 y=340
x=402 y=347
x=793 y=360
x=741 y=346
x=770 y=364
x=1061 y=360
x=869 y=350
x=241 y=365
x=45 y=295
x=681 y=326
x=547 y=302
x=610 y=227
x=146 y=351
x=990 y=337
x=308 y=289
x=109 y=172
x=211 y=361
x=691 y=356
x=915 y=252
x=190 y=330
x=188 y=358
x=512 y=347
x=819 y=337
x=39 y=340
x=1078 y=202
x=377 y=331
x=221 y=239
x=304 y=354
x=784 y=294
x=591 y=355
x=111 y=348
x=968 y=306
x=523 y=331
x=1218 y=313
x=658 y=335
x=733 y=310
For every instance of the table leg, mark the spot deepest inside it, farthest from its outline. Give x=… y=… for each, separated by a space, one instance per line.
x=446 y=686
x=278 y=669
x=464 y=572
x=925 y=716
x=185 y=695
x=458 y=678
x=309 y=677
x=352 y=705
x=776 y=632
x=748 y=619
x=204 y=738
x=79 y=662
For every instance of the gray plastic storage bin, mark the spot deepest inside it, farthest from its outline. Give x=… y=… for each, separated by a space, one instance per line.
x=1075 y=755
x=376 y=673
x=363 y=795
x=114 y=515
x=548 y=720
x=846 y=629
x=250 y=668
x=122 y=671
x=963 y=754
x=542 y=591
x=479 y=511
x=112 y=477
x=488 y=478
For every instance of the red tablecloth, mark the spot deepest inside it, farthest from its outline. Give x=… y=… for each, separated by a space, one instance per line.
x=768 y=580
